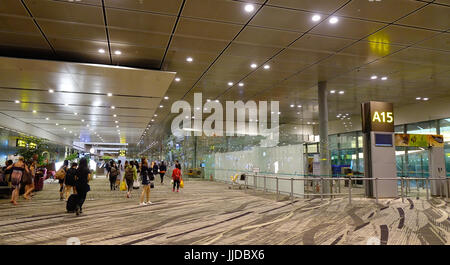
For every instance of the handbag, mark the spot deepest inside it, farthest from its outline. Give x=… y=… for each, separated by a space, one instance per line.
x=181 y=184
x=123 y=186
x=152 y=185
x=61 y=174
x=136 y=184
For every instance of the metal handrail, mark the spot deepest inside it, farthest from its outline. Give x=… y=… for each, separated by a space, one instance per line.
x=349 y=178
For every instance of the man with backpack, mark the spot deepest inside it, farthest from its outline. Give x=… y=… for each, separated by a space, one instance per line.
x=113 y=173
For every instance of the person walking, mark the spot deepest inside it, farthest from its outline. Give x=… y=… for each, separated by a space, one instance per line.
x=83 y=175
x=113 y=173
x=121 y=169
x=108 y=168
x=145 y=171
x=176 y=177
x=28 y=180
x=155 y=169
x=18 y=170
x=69 y=180
x=129 y=177
x=65 y=167
x=162 y=171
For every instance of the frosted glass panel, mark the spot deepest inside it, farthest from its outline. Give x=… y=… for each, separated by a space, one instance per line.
x=281 y=161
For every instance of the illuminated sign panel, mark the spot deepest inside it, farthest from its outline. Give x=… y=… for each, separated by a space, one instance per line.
x=377 y=116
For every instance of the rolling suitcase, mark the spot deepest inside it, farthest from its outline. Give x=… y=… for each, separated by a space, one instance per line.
x=72 y=203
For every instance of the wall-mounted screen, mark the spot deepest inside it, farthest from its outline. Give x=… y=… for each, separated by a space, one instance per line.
x=383 y=140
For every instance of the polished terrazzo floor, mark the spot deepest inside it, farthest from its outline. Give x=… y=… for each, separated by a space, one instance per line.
x=207 y=212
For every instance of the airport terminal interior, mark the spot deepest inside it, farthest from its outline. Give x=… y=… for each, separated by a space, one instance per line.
x=286 y=122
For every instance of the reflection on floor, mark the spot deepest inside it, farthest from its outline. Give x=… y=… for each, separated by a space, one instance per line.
x=210 y=213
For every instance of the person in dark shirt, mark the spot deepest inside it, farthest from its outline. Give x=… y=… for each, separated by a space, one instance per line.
x=69 y=180
x=81 y=184
x=162 y=171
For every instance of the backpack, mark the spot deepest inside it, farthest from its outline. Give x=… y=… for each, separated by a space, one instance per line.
x=114 y=172
x=16 y=177
x=129 y=173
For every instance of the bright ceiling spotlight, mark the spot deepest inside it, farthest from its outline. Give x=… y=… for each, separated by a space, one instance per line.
x=161 y=106
x=177 y=79
x=57 y=124
x=333 y=20
x=299 y=106
x=253 y=65
x=153 y=120
x=333 y=91
x=117 y=52
x=341 y=92
x=34 y=111
x=249 y=8
x=241 y=84
x=425 y=99
x=101 y=50
x=64 y=128
x=92 y=150
x=113 y=107
x=109 y=94
x=292 y=105
x=230 y=83
x=418 y=98
x=117 y=126
x=75 y=113
x=51 y=90
x=266 y=66
x=384 y=78
x=114 y=115
x=156 y=115
x=373 y=77
x=17 y=101
x=189 y=59
x=66 y=104
x=47 y=118
x=82 y=120
x=166 y=98
x=316 y=18
x=116 y=121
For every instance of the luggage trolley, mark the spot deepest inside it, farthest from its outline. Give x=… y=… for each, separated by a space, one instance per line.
x=237 y=180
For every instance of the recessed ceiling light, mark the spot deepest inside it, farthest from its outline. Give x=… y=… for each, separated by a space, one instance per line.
x=418 y=98
x=66 y=104
x=253 y=65
x=101 y=50
x=177 y=79
x=117 y=52
x=117 y=126
x=87 y=125
x=109 y=94
x=57 y=124
x=333 y=20
x=292 y=105
x=166 y=98
x=75 y=113
x=116 y=121
x=384 y=78
x=113 y=107
x=82 y=120
x=51 y=90
x=299 y=106
x=333 y=91
x=115 y=115
x=47 y=118
x=153 y=120
x=266 y=66
x=70 y=131
x=316 y=18
x=373 y=77
x=161 y=106
x=241 y=84
x=64 y=128
x=230 y=83
x=217 y=100
x=156 y=115
x=34 y=111
x=341 y=92
x=279 y=113
x=16 y=101
x=425 y=99
x=189 y=59
x=249 y=8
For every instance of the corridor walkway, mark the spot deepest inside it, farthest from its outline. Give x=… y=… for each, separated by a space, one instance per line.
x=210 y=213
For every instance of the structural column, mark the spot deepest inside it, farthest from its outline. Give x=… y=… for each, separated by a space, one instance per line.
x=325 y=165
